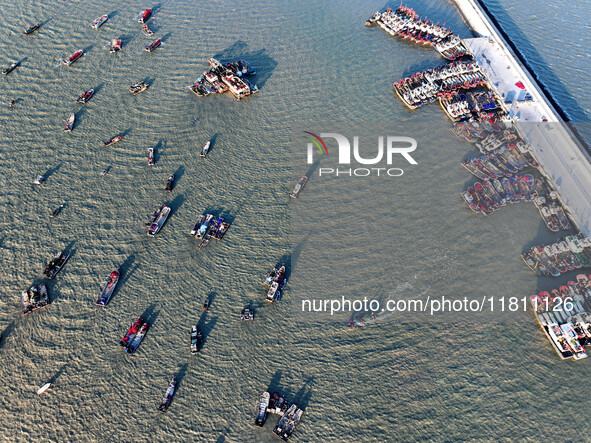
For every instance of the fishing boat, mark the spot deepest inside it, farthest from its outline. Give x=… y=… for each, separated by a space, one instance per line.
x=113 y=140
x=57 y=210
x=70 y=123
x=272 y=293
x=158 y=219
x=36 y=297
x=205 y=149
x=56 y=265
x=196 y=339
x=202 y=225
x=218 y=229
x=115 y=45
x=247 y=314
x=152 y=46
x=98 y=22
x=288 y=422
x=146 y=29
x=262 y=410
x=298 y=187
x=133 y=329
x=40 y=179
x=139 y=336
x=106 y=170
x=167 y=396
x=138 y=87
x=291 y=425
x=144 y=16
x=277 y=404
x=109 y=287
x=271 y=276
x=206 y=304
x=85 y=96
x=151 y=156
x=11 y=68
x=43 y=388
x=170 y=183
x=31 y=29
x=72 y=58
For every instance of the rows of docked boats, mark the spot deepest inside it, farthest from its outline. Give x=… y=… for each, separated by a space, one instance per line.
x=488 y=135
x=290 y=416
x=562 y=315
x=470 y=105
x=225 y=77
x=424 y=87
x=405 y=22
x=565 y=255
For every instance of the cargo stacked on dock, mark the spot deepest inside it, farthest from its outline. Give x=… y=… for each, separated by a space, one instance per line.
x=562 y=315
x=221 y=78
x=404 y=22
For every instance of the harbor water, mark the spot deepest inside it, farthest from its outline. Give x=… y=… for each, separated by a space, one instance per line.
x=319 y=69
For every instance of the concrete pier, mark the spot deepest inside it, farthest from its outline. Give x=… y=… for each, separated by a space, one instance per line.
x=561 y=156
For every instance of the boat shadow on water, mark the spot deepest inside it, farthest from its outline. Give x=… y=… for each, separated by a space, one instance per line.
x=259 y=60
x=176 y=204
x=126 y=270
x=161 y=145
x=52 y=171
x=150 y=315
x=205 y=326
x=6 y=333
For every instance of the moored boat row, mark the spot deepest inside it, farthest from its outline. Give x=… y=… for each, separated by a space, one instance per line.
x=562 y=314
x=565 y=255
x=404 y=22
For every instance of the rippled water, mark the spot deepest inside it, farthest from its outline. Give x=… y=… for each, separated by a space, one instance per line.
x=402 y=379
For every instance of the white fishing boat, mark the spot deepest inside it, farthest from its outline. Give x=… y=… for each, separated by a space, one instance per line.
x=205 y=149
x=43 y=388
x=98 y=22
x=298 y=187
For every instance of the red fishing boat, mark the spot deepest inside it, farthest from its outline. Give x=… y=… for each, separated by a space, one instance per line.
x=145 y=16
x=72 y=58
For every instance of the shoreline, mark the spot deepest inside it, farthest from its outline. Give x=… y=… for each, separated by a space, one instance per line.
x=562 y=152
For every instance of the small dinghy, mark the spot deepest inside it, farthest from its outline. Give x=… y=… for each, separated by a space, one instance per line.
x=40 y=179
x=43 y=388
x=205 y=149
